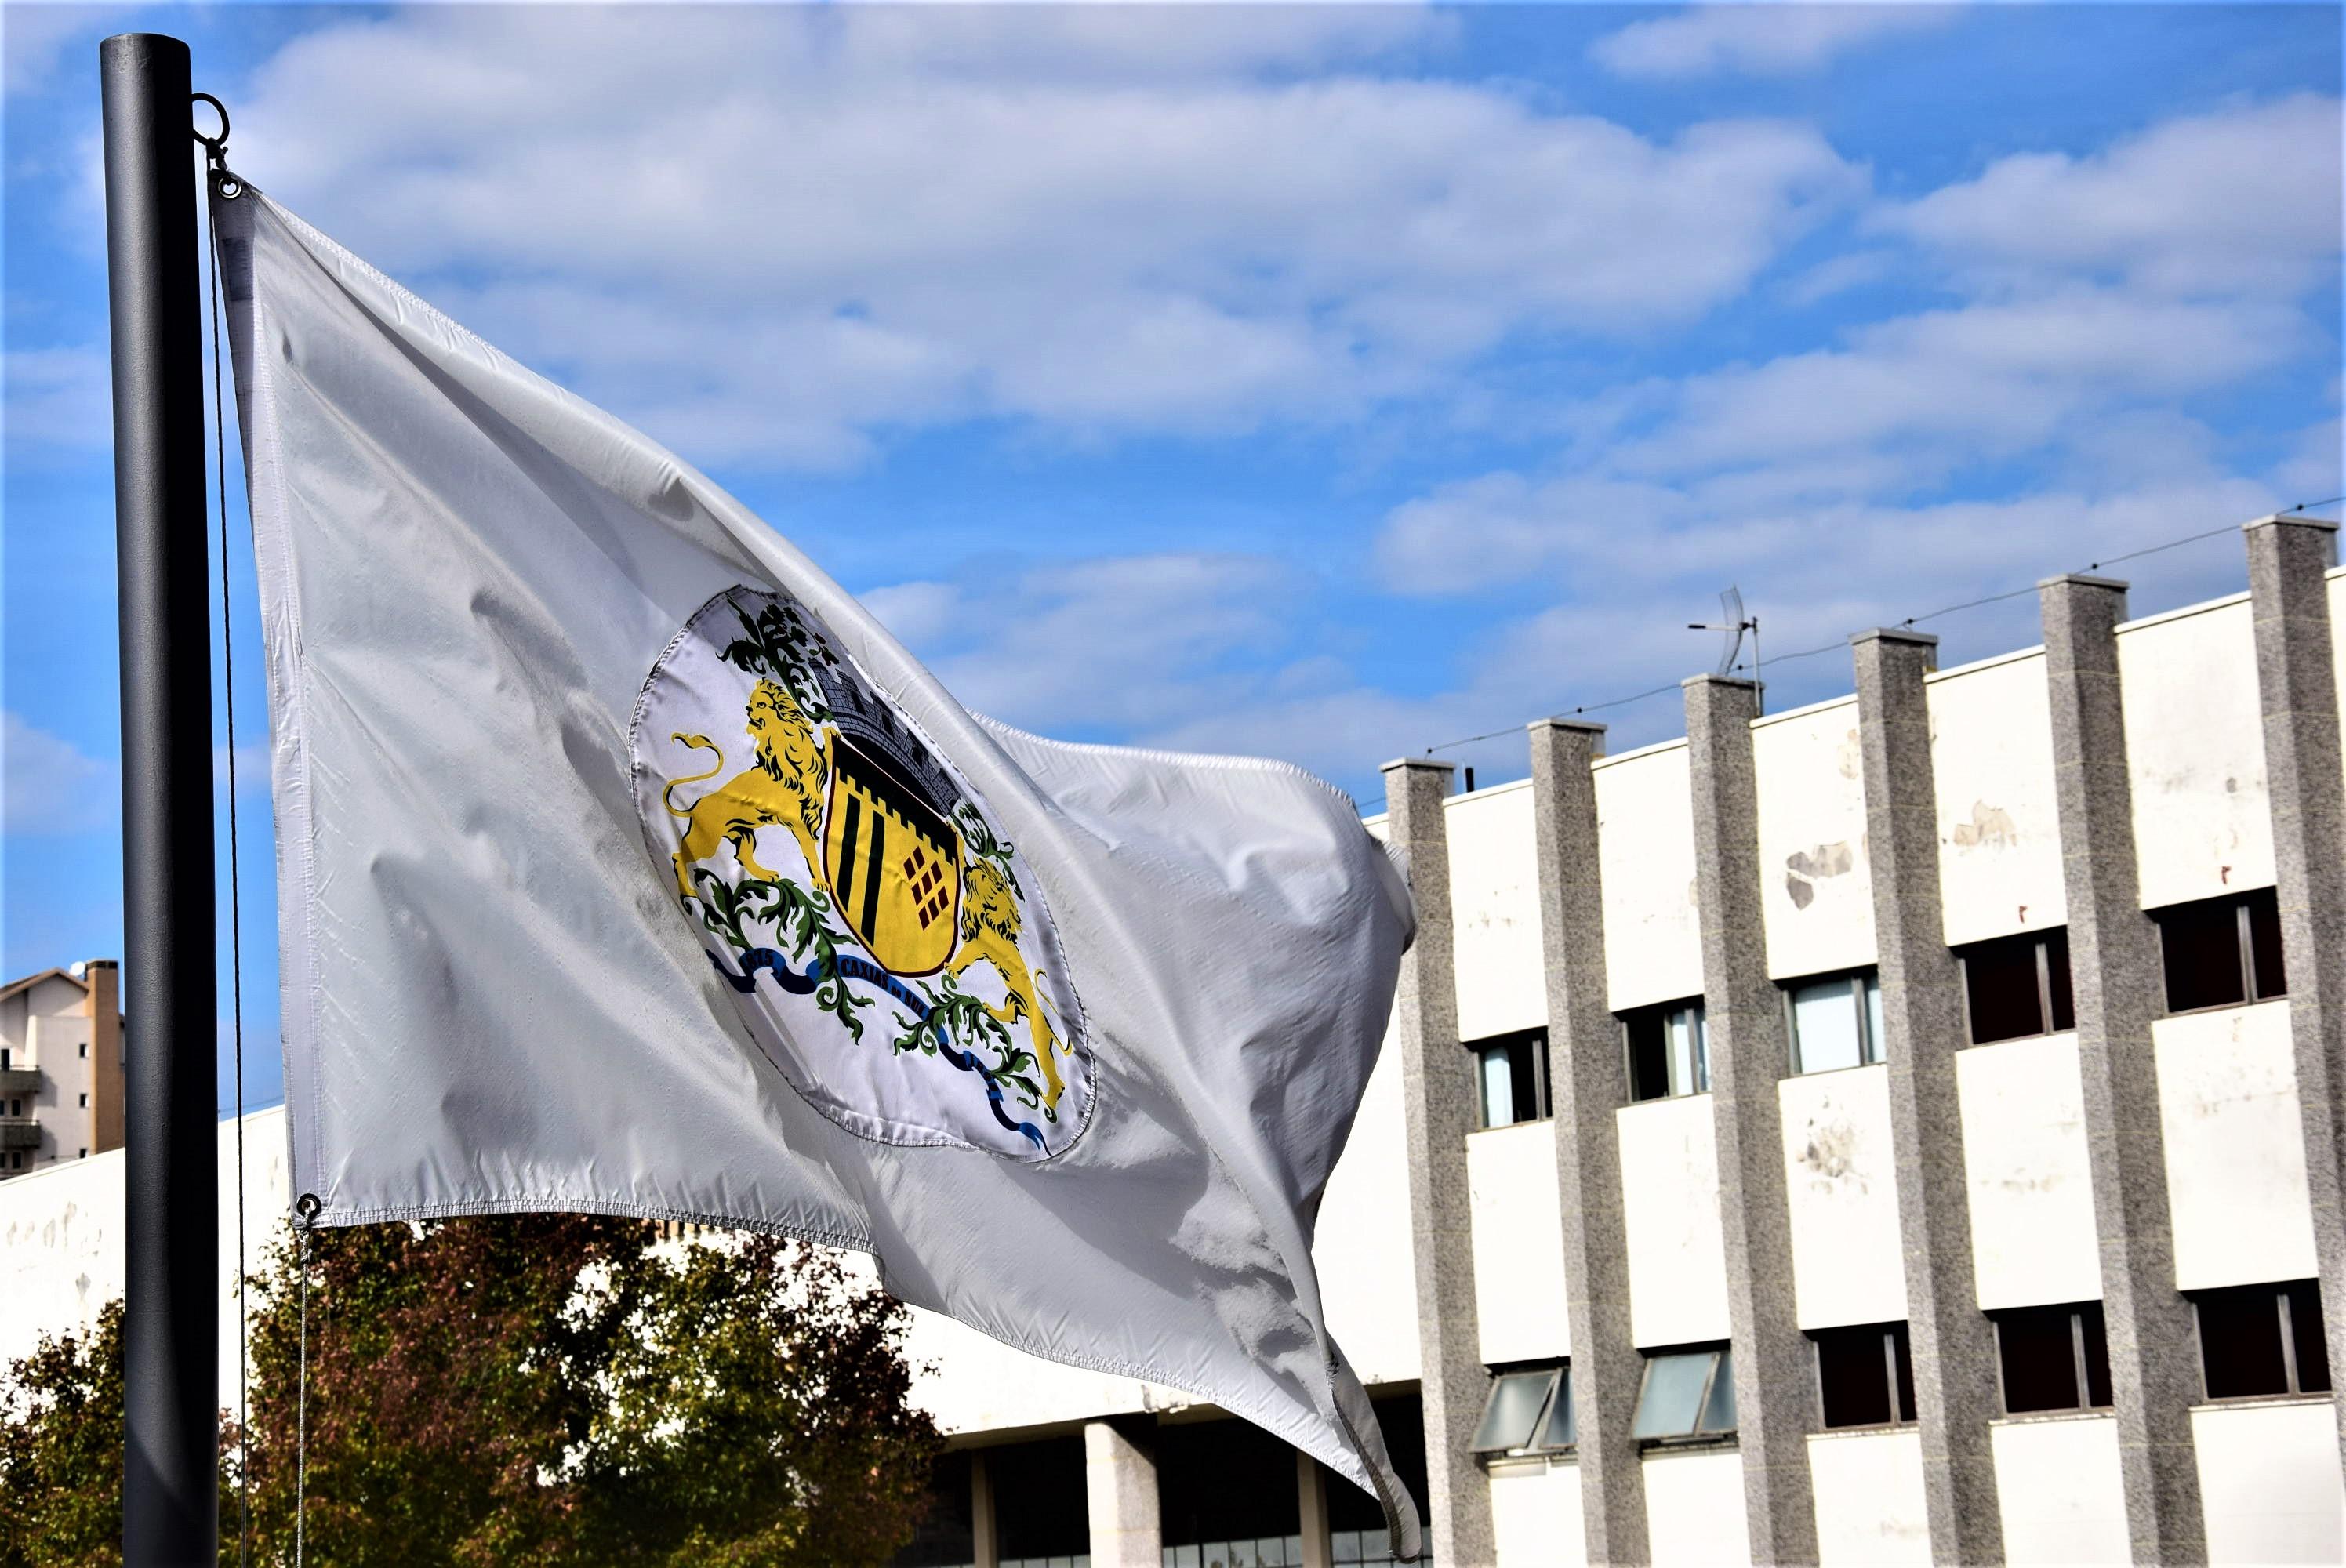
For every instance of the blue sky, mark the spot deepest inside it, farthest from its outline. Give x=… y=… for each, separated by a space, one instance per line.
x=1325 y=383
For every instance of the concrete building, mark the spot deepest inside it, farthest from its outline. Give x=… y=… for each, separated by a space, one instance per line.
x=1903 y=1129
x=60 y=1067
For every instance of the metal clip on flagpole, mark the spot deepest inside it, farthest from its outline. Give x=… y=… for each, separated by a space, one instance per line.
x=171 y=1292
x=225 y=184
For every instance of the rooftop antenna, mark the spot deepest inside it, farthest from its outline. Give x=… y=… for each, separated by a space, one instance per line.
x=1730 y=626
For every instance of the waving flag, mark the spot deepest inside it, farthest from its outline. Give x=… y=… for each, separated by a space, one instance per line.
x=627 y=865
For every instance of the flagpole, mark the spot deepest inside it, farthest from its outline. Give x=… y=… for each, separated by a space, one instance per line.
x=172 y=1300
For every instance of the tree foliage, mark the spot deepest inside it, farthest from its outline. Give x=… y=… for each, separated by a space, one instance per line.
x=538 y=1389
x=61 y=1451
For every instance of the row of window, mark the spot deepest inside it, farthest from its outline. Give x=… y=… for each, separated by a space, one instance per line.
x=2218 y=953
x=2256 y=1341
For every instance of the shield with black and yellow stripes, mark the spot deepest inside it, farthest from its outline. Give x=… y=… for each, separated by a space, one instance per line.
x=893 y=862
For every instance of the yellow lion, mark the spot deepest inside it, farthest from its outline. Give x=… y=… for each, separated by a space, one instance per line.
x=989 y=934
x=783 y=790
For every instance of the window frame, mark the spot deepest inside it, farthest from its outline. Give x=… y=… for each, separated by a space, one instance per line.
x=1889 y=1333
x=1559 y=1386
x=1543 y=1104
x=2081 y=1365
x=2243 y=930
x=2285 y=1313
x=2041 y=943
x=1870 y=1051
x=1661 y=1012
x=1721 y=1353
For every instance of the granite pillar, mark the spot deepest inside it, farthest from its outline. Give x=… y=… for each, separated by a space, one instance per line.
x=1953 y=1342
x=2120 y=987
x=1775 y=1372
x=1120 y=1490
x=1587 y=1083
x=2288 y=587
x=1312 y=1509
x=1438 y=1108
x=984 y=1533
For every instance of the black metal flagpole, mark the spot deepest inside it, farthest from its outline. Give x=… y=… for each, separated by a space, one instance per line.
x=171 y=1303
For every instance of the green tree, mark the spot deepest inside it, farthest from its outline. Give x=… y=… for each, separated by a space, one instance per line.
x=61 y=1451
x=538 y=1389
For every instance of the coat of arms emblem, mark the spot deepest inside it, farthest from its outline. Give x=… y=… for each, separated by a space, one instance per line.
x=850 y=885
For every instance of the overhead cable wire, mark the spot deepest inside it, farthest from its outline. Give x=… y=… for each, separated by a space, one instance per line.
x=1910 y=621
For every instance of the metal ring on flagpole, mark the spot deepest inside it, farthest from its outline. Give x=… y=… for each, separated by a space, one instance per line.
x=217 y=146
x=305 y=1209
x=226 y=184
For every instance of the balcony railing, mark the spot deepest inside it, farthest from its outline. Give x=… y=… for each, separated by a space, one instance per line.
x=20 y=1080
x=19 y=1133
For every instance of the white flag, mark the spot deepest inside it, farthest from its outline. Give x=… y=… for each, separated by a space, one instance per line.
x=627 y=865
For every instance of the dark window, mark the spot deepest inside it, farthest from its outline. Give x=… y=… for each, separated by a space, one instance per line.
x=2221 y=953
x=1866 y=1376
x=2017 y=986
x=2050 y=1355
x=945 y=1537
x=1835 y=1021
x=1053 y=1468
x=1222 y=1483
x=1669 y=1052
x=2259 y=1340
x=1686 y=1393
x=1527 y=1411
x=1511 y=1078
x=85 y=1050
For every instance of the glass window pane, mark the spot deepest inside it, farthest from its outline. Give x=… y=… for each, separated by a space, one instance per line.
x=1561 y=1429
x=2264 y=943
x=1824 y=1024
x=1670 y=1403
x=1690 y=1066
x=2056 y=971
x=2312 y=1344
x=1513 y=1407
x=1498 y=1075
x=1719 y=1411
x=1524 y=1058
x=1873 y=1033
x=2093 y=1330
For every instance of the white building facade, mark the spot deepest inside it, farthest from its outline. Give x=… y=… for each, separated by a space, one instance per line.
x=1906 y=1129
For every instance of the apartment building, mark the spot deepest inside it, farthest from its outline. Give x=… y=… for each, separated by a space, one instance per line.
x=60 y=1066
x=1904 y=1129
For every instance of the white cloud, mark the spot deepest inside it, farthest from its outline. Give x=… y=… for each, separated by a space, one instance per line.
x=2246 y=200
x=35 y=38
x=1131 y=642
x=59 y=405
x=1772 y=40
x=1964 y=385
x=783 y=233
x=49 y=785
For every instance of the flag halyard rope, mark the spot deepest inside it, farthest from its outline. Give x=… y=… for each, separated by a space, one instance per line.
x=217 y=151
